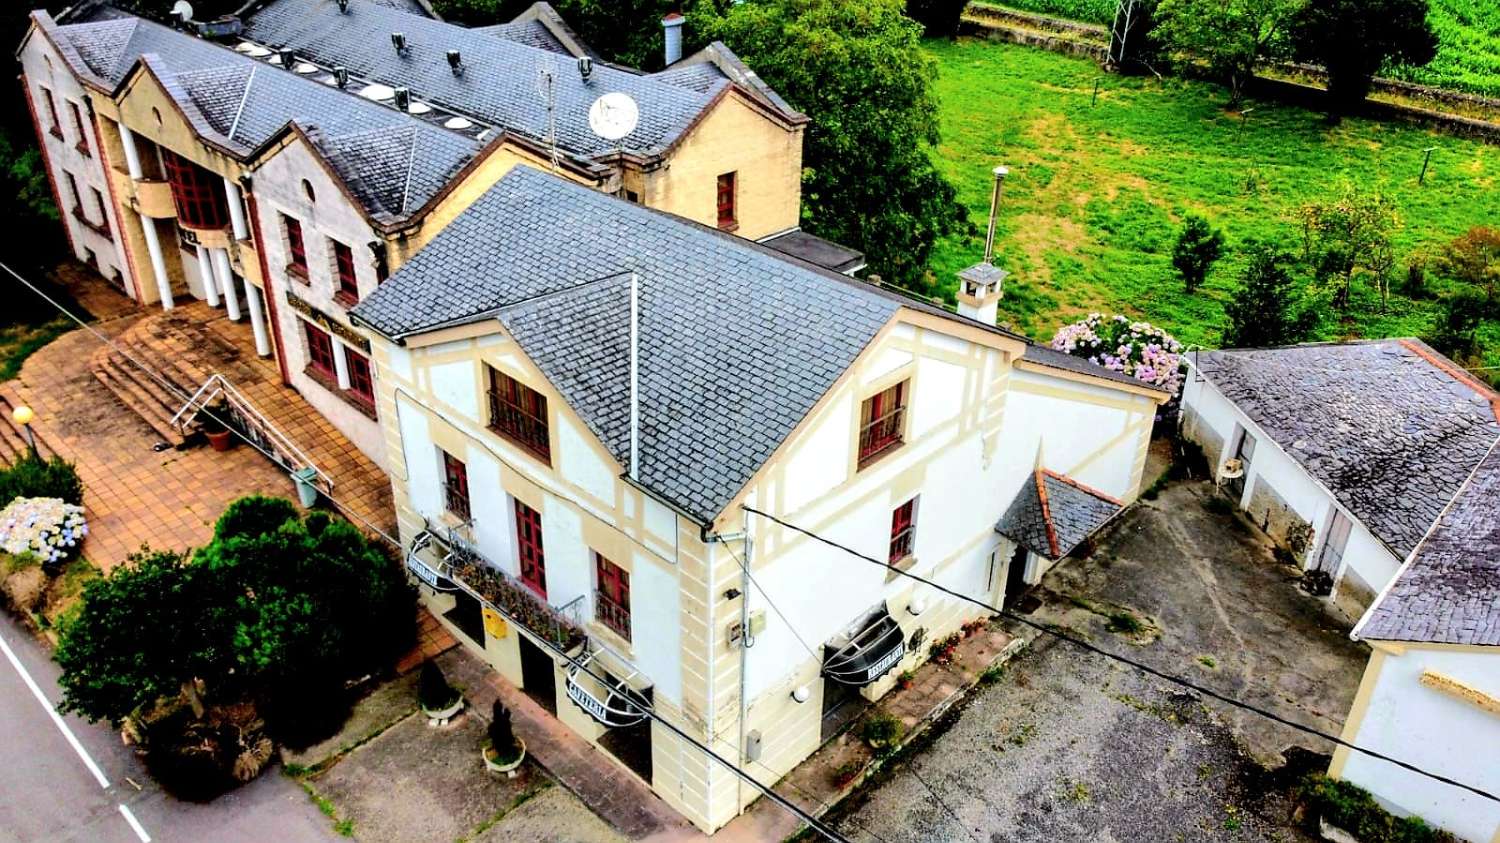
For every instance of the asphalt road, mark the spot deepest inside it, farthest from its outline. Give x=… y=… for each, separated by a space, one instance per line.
x=63 y=779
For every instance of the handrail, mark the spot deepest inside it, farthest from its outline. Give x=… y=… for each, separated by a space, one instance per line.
x=280 y=445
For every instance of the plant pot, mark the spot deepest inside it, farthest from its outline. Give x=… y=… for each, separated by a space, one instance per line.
x=219 y=440
x=438 y=717
x=307 y=491
x=496 y=767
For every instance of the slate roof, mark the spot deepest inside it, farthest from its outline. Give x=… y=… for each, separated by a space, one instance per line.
x=1449 y=591
x=499 y=83
x=393 y=162
x=531 y=33
x=1390 y=427
x=1052 y=514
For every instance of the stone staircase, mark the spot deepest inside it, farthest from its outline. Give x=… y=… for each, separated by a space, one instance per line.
x=12 y=439
x=181 y=348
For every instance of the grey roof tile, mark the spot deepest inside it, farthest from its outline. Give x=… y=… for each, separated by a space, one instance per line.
x=1052 y=514
x=531 y=33
x=1449 y=591
x=1390 y=433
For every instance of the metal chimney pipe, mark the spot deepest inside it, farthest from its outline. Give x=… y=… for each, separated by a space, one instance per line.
x=989 y=237
x=672 y=31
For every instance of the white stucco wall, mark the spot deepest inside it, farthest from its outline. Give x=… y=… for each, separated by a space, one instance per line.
x=1365 y=557
x=42 y=66
x=278 y=189
x=1436 y=731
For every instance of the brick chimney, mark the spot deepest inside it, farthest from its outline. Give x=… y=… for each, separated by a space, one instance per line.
x=672 y=28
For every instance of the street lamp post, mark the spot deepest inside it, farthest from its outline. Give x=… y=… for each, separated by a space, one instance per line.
x=22 y=415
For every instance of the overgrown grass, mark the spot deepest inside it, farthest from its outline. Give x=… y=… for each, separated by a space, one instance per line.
x=1096 y=193
x=17 y=342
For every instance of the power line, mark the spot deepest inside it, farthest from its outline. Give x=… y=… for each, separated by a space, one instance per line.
x=777 y=798
x=1145 y=668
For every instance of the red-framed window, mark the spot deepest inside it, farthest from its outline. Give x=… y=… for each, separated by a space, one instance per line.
x=296 y=249
x=455 y=486
x=881 y=422
x=726 y=200
x=903 y=531
x=55 y=130
x=320 y=350
x=612 y=597
x=519 y=413
x=529 y=548
x=361 y=380
x=197 y=193
x=348 y=284
x=83 y=142
x=73 y=194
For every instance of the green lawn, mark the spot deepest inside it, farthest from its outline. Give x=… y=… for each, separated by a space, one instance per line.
x=1096 y=193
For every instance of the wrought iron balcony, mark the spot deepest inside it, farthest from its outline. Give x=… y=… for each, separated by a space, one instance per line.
x=614 y=616
x=869 y=655
x=612 y=700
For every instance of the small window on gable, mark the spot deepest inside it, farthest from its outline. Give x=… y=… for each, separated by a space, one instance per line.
x=296 y=249
x=83 y=143
x=347 y=291
x=903 y=531
x=307 y=190
x=882 y=423
x=726 y=197
x=55 y=127
x=519 y=413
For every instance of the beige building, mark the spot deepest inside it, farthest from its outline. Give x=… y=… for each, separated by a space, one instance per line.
x=584 y=399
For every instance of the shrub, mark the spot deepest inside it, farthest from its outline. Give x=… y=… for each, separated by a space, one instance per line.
x=1138 y=349
x=1198 y=246
x=46 y=528
x=254 y=515
x=1267 y=310
x=845 y=773
x=1459 y=315
x=433 y=691
x=881 y=729
x=33 y=477
x=1353 y=809
x=501 y=736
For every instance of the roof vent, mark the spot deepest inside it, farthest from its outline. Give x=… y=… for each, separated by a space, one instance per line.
x=456 y=61
x=398 y=40
x=283 y=57
x=585 y=67
x=403 y=98
x=343 y=7
x=341 y=76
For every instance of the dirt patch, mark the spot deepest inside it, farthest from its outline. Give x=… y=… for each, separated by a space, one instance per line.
x=1040 y=234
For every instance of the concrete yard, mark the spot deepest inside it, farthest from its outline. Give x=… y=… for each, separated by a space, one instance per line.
x=1069 y=745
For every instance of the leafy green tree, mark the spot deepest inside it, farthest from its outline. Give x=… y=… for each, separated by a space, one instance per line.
x=1459 y=316
x=939 y=18
x=1233 y=37
x=1198 y=246
x=1266 y=311
x=1353 y=39
x=140 y=635
x=1351 y=236
x=1474 y=258
x=858 y=70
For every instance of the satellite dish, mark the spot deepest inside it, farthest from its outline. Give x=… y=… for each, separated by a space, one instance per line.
x=183 y=10
x=613 y=116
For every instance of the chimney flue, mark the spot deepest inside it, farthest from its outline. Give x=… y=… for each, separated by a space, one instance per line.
x=341 y=75
x=403 y=98
x=989 y=237
x=456 y=61
x=672 y=30
x=343 y=7
x=398 y=40
x=585 y=67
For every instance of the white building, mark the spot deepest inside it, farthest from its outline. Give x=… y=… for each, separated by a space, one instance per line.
x=1345 y=453
x=1431 y=692
x=563 y=480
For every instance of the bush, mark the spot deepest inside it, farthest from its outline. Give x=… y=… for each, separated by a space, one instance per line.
x=46 y=528
x=433 y=691
x=1459 y=315
x=501 y=737
x=1198 y=246
x=881 y=729
x=1138 y=349
x=1353 y=809
x=33 y=477
x=255 y=515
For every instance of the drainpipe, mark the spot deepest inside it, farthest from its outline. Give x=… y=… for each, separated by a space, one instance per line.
x=748 y=546
x=672 y=30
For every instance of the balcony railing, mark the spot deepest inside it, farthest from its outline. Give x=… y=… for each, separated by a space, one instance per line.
x=608 y=689
x=521 y=427
x=612 y=614
x=880 y=435
x=509 y=597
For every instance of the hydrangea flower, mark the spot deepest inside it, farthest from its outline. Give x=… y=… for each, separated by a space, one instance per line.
x=48 y=528
x=1138 y=349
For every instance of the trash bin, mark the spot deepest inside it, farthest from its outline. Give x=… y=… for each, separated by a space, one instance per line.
x=307 y=491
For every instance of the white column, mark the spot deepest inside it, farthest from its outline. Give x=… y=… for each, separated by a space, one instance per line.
x=158 y=264
x=206 y=272
x=236 y=209
x=257 y=320
x=132 y=157
x=340 y=365
x=225 y=277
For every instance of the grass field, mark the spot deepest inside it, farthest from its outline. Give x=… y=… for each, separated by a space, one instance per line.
x=1468 y=31
x=1096 y=193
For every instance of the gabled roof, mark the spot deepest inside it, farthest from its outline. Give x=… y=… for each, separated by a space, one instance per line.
x=1448 y=592
x=531 y=33
x=1053 y=514
x=1390 y=427
x=500 y=79
x=393 y=162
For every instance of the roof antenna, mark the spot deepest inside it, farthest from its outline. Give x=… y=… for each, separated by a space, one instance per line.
x=635 y=374
x=546 y=79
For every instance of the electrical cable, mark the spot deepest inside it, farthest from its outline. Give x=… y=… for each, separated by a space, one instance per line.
x=1144 y=668
x=770 y=794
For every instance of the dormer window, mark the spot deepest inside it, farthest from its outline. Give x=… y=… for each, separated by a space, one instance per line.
x=519 y=413
x=882 y=423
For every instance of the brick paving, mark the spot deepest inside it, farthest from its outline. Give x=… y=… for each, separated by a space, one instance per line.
x=433 y=639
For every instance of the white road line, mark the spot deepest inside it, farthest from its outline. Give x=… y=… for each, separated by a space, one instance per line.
x=56 y=718
x=135 y=825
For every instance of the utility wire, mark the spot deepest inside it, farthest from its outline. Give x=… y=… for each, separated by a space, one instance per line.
x=1145 y=668
x=375 y=529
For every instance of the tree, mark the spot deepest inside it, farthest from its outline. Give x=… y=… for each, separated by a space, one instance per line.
x=1474 y=258
x=1353 y=39
x=1234 y=37
x=939 y=18
x=1458 y=318
x=858 y=70
x=1265 y=311
x=1350 y=236
x=1199 y=245
x=139 y=635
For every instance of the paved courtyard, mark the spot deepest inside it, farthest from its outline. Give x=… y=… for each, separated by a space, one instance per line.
x=1073 y=746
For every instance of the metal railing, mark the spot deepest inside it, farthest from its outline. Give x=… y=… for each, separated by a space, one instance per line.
x=252 y=423
x=471 y=572
x=880 y=435
x=613 y=615
x=614 y=702
x=516 y=424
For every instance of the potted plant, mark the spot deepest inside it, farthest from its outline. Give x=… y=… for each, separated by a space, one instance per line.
x=881 y=730
x=905 y=679
x=502 y=751
x=439 y=700
x=214 y=422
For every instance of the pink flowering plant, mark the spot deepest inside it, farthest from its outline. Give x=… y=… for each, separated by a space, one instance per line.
x=50 y=529
x=1138 y=349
